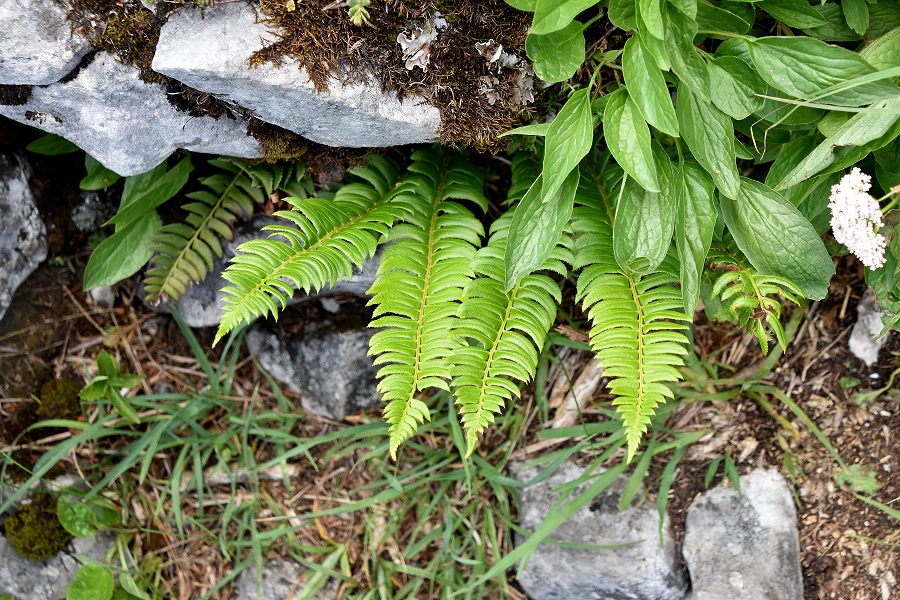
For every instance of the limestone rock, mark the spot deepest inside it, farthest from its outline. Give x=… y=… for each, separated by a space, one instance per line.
x=328 y=367
x=745 y=547
x=211 y=52
x=202 y=304
x=125 y=123
x=37 y=46
x=864 y=342
x=638 y=570
x=23 y=237
x=24 y=579
x=279 y=579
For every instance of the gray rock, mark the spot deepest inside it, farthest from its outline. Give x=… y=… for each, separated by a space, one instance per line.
x=864 y=341
x=745 y=547
x=211 y=52
x=23 y=237
x=202 y=304
x=329 y=368
x=638 y=570
x=125 y=123
x=37 y=46
x=281 y=579
x=24 y=579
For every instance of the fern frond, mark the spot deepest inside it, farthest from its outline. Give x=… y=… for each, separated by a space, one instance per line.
x=749 y=296
x=506 y=330
x=185 y=251
x=321 y=243
x=636 y=320
x=419 y=285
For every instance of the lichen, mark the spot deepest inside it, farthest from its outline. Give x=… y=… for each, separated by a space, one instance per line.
x=33 y=530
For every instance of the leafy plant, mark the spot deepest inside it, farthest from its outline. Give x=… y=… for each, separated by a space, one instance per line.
x=107 y=384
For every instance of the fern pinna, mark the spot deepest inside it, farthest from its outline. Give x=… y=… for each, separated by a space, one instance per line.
x=507 y=330
x=322 y=243
x=419 y=285
x=185 y=251
x=636 y=321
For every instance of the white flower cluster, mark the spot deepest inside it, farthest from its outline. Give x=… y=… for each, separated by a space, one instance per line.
x=856 y=218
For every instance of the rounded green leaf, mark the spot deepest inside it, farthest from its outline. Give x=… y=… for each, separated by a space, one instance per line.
x=557 y=55
x=76 y=517
x=91 y=583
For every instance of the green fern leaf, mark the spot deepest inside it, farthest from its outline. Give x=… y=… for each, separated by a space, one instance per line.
x=419 y=285
x=636 y=320
x=321 y=244
x=506 y=330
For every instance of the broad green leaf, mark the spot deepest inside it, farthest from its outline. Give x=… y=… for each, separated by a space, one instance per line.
x=793 y=13
x=536 y=227
x=865 y=130
x=76 y=517
x=658 y=50
x=52 y=145
x=709 y=133
x=123 y=253
x=525 y=5
x=621 y=13
x=684 y=57
x=91 y=583
x=688 y=8
x=695 y=219
x=143 y=193
x=552 y=15
x=95 y=390
x=719 y=19
x=831 y=122
x=628 y=138
x=883 y=17
x=539 y=129
x=558 y=54
x=650 y=12
x=98 y=177
x=107 y=365
x=123 y=406
x=568 y=140
x=805 y=68
x=647 y=87
x=777 y=239
x=835 y=28
x=884 y=52
x=730 y=94
x=857 y=14
x=645 y=220
x=790 y=156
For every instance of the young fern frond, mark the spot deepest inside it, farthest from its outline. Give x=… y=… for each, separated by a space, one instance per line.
x=185 y=251
x=506 y=330
x=320 y=246
x=419 y=285
x=636 y=321
x=748 y=296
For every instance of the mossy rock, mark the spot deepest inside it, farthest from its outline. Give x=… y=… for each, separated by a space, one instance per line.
x=34 y=531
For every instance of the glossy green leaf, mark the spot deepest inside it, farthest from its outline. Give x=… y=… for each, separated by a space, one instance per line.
x=568 y=140
x=777 y=239
x=91 y=582
x=806 y=68
x=835 y=28
x=52 y=145
x=539 y=129
x=645 y=220
x=793 y=13
x=76 y=517
x=98 y=177
x=883 y=53
x=552 y=15
x=123 y=253
x=525 y=5
x=856 y=12
x=107 y=365
x=144 y=192
x=709 y=133
x=688 y=8
x=537 y=226
x=123 y=406
x=729 y=93
x=647 y=87
x=558 y=54
x=95 y=390
x=718 y=18
x=684 y=57
x=621 y=13
x=628 y=138
x=883 y=17
x=651 y=15
x=695 y=219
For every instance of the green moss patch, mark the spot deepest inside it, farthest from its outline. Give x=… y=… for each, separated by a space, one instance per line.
x=33 y=530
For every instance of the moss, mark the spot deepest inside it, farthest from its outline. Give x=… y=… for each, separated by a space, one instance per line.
x=14 y=95
x=59 y=399
x=277 y=144
x=34 y=531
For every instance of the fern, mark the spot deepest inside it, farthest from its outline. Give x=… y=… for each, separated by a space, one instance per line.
x=320 y=245
x=749 y=296
x=507 y=330
x=419 y=285
x=635 y=319
x=186 y=251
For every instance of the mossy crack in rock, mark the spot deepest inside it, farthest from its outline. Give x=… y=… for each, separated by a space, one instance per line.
x=211 y=51
x=126 y=124
x=37 y=46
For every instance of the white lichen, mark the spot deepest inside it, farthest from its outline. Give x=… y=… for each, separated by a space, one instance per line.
x=416 y=46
